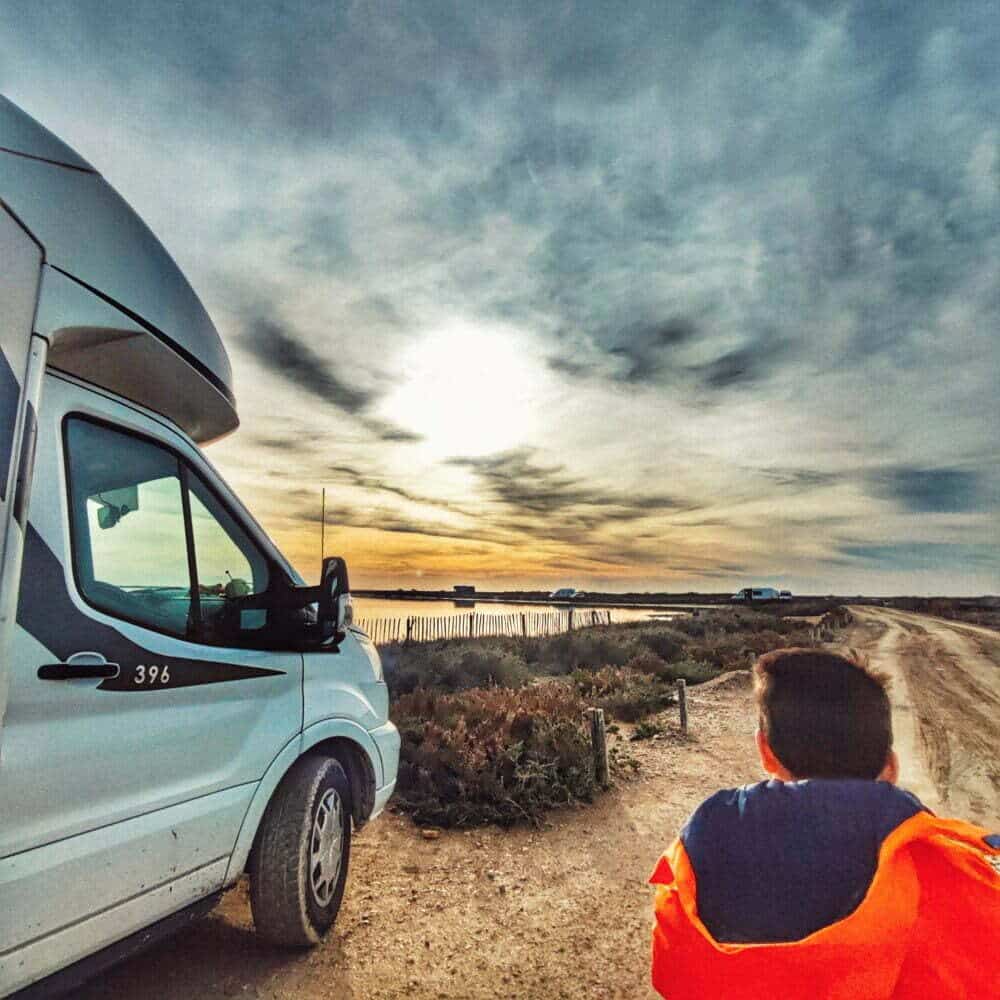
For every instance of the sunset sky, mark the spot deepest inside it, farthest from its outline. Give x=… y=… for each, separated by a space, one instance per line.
x=608 y=295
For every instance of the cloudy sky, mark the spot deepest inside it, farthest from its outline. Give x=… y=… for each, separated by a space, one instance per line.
x=613 y=295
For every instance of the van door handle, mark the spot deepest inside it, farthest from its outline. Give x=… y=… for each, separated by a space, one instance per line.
x=85 y=666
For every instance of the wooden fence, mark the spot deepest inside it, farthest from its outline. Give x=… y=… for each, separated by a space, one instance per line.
x=418 y=628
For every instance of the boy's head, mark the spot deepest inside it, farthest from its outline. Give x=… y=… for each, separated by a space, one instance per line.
x=823 y=715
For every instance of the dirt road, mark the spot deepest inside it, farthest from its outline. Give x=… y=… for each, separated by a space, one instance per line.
x=946 y=707
x=559 y=912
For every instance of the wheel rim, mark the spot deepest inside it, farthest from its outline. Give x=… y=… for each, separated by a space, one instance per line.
x=325 y=847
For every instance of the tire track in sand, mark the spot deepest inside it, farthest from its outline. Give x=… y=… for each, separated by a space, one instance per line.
x=946 y=708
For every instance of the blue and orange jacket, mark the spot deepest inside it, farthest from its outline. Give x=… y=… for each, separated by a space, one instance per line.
x=826 y=890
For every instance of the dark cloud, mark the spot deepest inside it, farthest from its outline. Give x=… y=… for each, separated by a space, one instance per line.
x=531 y=491
x=800 y=479
x=376 y=484
x=744 y=366
x=381 y=519
x=922 y=556
x=324 y=243
x=285 y=442
x=566 y=366
x=644 y=350
x=930 y=491
x=279 y=350
x=386 y=431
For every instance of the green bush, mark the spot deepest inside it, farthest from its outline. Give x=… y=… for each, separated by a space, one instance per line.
x=588 y=647
x=665 y=644
x=646 y=731
x=492 y=755
x=624 y=694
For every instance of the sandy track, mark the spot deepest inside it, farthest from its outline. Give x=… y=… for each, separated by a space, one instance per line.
x=564 y=911
x=946 y=706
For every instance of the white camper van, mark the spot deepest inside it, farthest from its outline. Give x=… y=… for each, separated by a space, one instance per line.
x=176 y=706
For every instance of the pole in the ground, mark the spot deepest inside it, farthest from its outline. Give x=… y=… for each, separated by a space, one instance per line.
x=599 y=745
x=682 y=704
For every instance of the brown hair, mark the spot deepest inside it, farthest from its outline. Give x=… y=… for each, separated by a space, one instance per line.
x=825 y=714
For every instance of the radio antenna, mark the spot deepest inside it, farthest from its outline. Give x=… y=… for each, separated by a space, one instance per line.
x=322 y=528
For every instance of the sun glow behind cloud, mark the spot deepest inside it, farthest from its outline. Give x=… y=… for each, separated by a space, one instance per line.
x=468 y=390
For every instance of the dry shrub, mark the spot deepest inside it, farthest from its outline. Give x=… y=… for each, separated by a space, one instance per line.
x=585 y=648
x=492 y=755
x=623 y=694
x=453 y=665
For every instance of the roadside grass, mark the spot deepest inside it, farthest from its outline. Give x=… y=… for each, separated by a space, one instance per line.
x=493 y=729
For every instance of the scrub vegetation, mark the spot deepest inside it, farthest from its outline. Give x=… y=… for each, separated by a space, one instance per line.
x=493 y=729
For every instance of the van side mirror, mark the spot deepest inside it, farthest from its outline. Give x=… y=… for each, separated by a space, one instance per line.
x=335 y=605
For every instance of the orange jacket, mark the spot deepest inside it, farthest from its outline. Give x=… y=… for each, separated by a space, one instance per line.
x=927 y=929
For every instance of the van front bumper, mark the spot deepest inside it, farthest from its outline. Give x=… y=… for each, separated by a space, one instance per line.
x=386 y=739
x=382 y=796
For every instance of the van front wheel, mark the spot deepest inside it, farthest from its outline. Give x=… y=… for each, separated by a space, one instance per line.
x=298 y=866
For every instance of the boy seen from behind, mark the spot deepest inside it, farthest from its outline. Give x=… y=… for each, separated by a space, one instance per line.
x=827 y=882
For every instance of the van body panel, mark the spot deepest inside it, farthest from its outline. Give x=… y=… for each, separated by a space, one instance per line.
x=346 y=683
x=93 y=238
x=96 y=341
x=338 y=728
x=94 y=872
x=90 y=233
x=33 y=962
x=20 y=133
x=21 y=363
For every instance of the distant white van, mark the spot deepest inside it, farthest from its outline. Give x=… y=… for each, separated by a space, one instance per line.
x=756 y=594
x=176 y=706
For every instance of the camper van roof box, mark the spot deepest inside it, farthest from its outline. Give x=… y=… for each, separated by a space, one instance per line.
x=115 y=307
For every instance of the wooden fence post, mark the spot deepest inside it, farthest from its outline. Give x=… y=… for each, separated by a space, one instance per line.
x=599 y=745
x=472 y=624
x=570 y=629
x=409 y=630
x=682 y=703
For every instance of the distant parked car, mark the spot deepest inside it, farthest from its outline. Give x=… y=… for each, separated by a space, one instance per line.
x=785 y=595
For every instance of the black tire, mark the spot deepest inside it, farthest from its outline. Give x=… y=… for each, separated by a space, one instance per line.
x=293 y=904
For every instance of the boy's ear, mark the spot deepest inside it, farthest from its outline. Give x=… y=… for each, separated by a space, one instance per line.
x=769 y=760
x=890 y=772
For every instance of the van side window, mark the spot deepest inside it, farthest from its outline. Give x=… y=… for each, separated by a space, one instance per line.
x=129 y=542
x=229 y=567
x=154 y=545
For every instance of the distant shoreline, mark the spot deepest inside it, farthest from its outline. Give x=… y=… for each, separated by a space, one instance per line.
x=589 y=600
x=593 y=599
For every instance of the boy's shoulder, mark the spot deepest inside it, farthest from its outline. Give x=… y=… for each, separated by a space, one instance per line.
x=812 y=805
x=778 y=860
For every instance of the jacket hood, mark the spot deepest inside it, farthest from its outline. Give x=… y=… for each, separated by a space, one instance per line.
x=926 y=926
x=778 y=860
